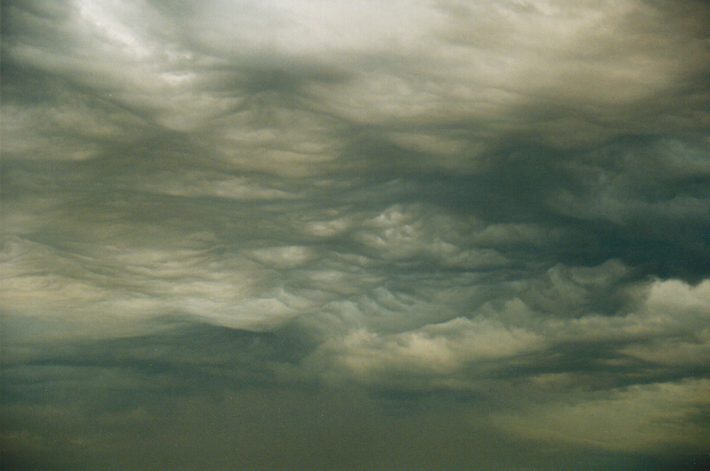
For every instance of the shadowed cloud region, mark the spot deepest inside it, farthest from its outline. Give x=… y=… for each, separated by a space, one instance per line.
x=349 y=235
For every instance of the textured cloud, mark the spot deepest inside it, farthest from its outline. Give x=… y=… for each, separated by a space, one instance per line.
x=422 y=233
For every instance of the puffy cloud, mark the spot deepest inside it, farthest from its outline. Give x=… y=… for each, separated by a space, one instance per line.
x=436 y=348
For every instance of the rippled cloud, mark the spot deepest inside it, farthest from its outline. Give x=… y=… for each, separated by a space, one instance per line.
x=393 y=229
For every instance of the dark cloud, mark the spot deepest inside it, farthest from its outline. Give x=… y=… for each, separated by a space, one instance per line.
x=355 y=236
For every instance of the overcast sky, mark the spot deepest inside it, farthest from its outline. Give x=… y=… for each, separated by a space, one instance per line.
x=355 y=235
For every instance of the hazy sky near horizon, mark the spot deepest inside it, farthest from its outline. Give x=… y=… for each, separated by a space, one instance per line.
x=355 y=235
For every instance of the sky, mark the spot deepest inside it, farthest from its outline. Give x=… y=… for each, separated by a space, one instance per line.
x=355 y=235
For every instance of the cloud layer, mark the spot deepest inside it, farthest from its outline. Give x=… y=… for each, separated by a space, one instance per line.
x=492 y=215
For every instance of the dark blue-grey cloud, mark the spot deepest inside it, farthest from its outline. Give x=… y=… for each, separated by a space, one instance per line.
x=347 y=225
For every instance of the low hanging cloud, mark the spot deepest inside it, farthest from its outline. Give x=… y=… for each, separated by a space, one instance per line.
x=487 y=214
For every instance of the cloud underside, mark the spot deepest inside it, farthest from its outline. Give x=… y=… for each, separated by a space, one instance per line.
x=503 y=202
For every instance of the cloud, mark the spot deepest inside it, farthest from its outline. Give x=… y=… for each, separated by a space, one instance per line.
x=439 y=348
x=496 y=212
x=641 y=418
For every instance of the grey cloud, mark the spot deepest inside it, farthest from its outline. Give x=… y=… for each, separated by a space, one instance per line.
x=640 y=417
x=355 y=224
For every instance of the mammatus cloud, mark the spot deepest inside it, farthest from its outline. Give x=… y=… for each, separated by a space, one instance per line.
x=477 y=221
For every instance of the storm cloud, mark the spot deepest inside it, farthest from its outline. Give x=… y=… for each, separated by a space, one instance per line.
x=355 y=235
